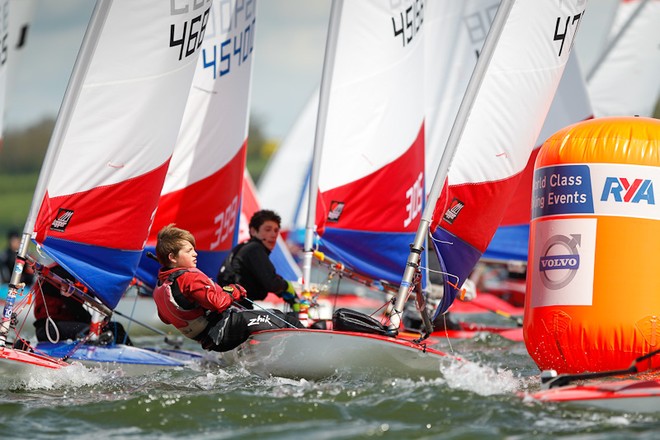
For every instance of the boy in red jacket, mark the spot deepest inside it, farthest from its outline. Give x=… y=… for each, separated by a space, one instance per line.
x=195 y=304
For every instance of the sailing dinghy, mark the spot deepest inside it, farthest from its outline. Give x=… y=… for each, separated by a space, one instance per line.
x=451 y=51
x=630 y=395
x=636 y=394
x=389 y=63
x=105 y=165
x=506 y=102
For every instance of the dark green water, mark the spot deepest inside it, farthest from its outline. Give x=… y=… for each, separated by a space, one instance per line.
x=476 y=400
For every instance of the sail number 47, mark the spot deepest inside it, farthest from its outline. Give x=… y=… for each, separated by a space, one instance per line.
x=560 y=35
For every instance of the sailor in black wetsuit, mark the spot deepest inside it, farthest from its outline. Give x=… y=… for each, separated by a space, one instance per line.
x=249 y=265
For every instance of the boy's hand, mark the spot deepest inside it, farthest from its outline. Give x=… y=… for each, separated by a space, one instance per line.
x=236 y=291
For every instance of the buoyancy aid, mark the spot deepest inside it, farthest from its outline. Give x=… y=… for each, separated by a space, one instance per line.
x=177 y=310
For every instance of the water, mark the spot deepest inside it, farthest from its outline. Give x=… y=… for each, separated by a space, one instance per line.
x=473 y=400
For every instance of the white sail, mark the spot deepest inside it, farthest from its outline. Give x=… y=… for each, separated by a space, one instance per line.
x=595 y=32
x=4 y=65
x=106 y=161
x=202 y=190
x=371 y=166
x=284 y=181
x=497 y=125
x=113 y=139
x=626 y=81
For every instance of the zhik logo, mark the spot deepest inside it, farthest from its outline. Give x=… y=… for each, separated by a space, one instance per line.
x=261 y=319
x=625 y=191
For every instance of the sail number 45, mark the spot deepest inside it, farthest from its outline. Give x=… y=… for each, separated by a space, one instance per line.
x=408 y=22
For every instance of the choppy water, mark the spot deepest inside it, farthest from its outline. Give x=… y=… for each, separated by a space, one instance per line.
x=473 y=400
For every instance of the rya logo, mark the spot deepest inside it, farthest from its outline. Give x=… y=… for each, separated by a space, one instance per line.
x=62 y=220
x=626 y=191
x=453 y=211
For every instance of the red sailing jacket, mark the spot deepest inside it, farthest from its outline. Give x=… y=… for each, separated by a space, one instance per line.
x=186 y=305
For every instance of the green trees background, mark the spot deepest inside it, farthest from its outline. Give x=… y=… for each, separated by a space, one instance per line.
x=22 y=154
x=23 y=151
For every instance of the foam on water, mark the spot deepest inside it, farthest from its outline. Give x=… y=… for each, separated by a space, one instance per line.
x=481 y=379
x=75 y=375
x=210 y=380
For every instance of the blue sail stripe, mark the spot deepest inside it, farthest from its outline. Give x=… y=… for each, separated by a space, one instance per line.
x=383 y=254
x=107 y=272
x=509 y=243
x=281 y=263
x=461 y=259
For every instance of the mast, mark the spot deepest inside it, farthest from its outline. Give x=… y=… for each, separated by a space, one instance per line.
x=324 y=98
x=87 y=48
x=464 y=110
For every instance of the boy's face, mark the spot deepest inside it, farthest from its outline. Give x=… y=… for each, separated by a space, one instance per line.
x=186 y=257
x=267 y=233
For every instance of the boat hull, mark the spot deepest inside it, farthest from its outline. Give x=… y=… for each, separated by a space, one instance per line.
x=131 y=361
x=18 y=366
x=470 y=331
x=319 y=354
x=639 y=396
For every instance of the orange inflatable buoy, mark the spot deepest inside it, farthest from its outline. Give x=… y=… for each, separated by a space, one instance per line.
x=593 y=284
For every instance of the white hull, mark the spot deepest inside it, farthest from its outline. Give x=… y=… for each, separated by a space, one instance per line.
x=319 y=354
x=642 y=404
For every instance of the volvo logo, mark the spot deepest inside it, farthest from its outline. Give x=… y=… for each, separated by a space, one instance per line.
x=560 y=261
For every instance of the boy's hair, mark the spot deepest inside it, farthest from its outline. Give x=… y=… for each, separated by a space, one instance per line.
x=260 y=217
x=170 y=240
